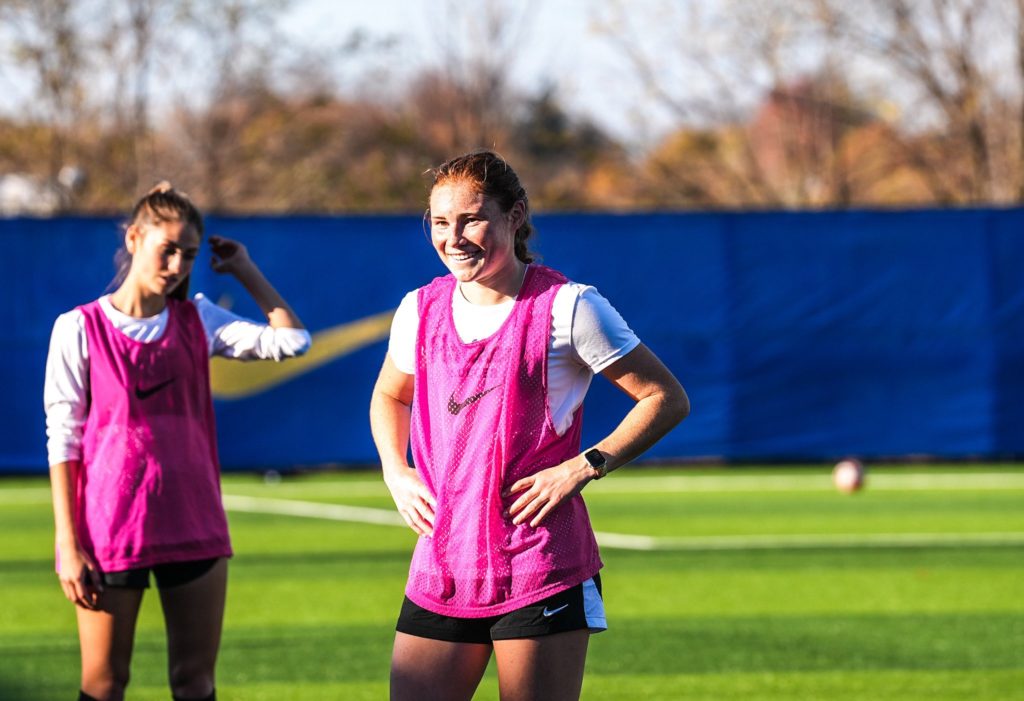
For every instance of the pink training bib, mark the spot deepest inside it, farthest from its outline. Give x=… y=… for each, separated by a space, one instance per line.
x=149 y=489
x=480 y=422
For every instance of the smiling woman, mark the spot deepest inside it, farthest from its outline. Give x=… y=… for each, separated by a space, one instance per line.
x=132 y=445
x=481 y=237
x=485 y=376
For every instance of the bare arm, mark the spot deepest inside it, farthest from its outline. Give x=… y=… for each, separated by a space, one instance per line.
x=661 y=403
x=390 y=414
x=79 y=576
x=232 y=257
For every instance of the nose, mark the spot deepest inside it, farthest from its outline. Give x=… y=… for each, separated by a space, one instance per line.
x=175 y=263
x=455 y=233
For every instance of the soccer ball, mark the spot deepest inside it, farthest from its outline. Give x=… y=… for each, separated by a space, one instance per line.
x=848 y=475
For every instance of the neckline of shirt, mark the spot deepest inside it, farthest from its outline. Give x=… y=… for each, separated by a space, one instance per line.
x=121 y=319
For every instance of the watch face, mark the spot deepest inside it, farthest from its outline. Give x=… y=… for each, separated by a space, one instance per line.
x=595 y=458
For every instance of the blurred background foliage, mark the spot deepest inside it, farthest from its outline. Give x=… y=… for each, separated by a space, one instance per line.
x=765 y=104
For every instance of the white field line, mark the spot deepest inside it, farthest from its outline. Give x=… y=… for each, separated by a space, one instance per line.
x=809 y=541
x=621 y=541
x=312 y=509
x=812 y=482
x=387 y=517
x=624 y=483
x=25 y=495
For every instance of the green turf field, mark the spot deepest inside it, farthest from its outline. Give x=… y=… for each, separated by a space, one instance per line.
x=725 y=584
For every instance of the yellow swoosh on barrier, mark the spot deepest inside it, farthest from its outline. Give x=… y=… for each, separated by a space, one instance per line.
x=231 y=379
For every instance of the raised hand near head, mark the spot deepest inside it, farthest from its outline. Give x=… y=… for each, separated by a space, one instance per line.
x=229 y=256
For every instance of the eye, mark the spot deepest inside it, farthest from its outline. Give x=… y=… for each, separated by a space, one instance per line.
x=189 y=255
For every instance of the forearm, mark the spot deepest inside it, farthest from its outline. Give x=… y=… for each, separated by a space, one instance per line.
x=652 y=416
x=279 y=313
x=646 y=423
x=390 y=415
x=389 y=425
x=79 y=577
x=63 y=481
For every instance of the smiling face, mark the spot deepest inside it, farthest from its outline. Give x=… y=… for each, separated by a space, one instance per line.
x=162 y=255
x=473 y=237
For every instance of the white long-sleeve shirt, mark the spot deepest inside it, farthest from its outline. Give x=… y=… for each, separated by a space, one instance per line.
x=66 y=386
x=587 y=335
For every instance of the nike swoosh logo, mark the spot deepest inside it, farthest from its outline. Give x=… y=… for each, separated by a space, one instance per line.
x=230 y=379
x=150 y=391
x=552 y=612
x=455 y=407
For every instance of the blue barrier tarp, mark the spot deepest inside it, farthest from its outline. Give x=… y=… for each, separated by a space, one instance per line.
x=797 y=335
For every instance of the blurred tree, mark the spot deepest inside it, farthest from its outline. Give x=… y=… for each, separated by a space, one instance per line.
x=797 y=135
x=705 y=66
x=760 y=98
x=466 y=100
x=774 y=103
x=46 y=39
x=138 y=33
x=955 y=69
x=236 y=52
x=946 y=107
x=558 y=152
x=189 y=89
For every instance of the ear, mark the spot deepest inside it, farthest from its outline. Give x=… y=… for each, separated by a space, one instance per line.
x=132 y=238
x=517 y=215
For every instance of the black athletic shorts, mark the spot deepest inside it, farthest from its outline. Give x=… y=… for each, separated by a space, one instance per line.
x=576 y=608
x=173 y=574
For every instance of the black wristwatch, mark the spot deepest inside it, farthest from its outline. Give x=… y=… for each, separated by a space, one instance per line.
x=595 y=458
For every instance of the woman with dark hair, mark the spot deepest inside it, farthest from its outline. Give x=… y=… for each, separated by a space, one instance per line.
x=485 y=376
x=132 y=445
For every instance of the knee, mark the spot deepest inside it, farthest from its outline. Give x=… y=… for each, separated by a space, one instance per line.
x=191 y=681
x=106 y=683
x=212 y=696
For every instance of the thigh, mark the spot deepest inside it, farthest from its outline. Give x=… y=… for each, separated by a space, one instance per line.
x=194 y=618
x=545 y=667
x=106 y=635
x=424 y=669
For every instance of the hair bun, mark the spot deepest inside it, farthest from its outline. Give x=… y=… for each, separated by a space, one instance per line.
x=161 y=187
